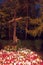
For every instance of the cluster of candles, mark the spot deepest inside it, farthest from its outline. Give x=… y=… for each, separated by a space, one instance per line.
x=20 y=57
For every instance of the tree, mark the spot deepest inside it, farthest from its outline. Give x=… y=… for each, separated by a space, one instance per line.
x=11 y=10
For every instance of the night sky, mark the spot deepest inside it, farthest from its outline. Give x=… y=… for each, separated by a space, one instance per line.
x=1 y=1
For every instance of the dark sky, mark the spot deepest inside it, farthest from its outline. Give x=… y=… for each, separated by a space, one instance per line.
x=1 y=1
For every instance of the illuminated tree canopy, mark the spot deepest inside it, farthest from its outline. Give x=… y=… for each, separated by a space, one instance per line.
x=13 y=9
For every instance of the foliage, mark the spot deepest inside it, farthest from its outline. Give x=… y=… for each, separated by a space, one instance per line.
x=10 y=7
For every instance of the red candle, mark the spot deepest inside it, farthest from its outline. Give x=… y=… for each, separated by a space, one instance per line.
x=41 y=63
